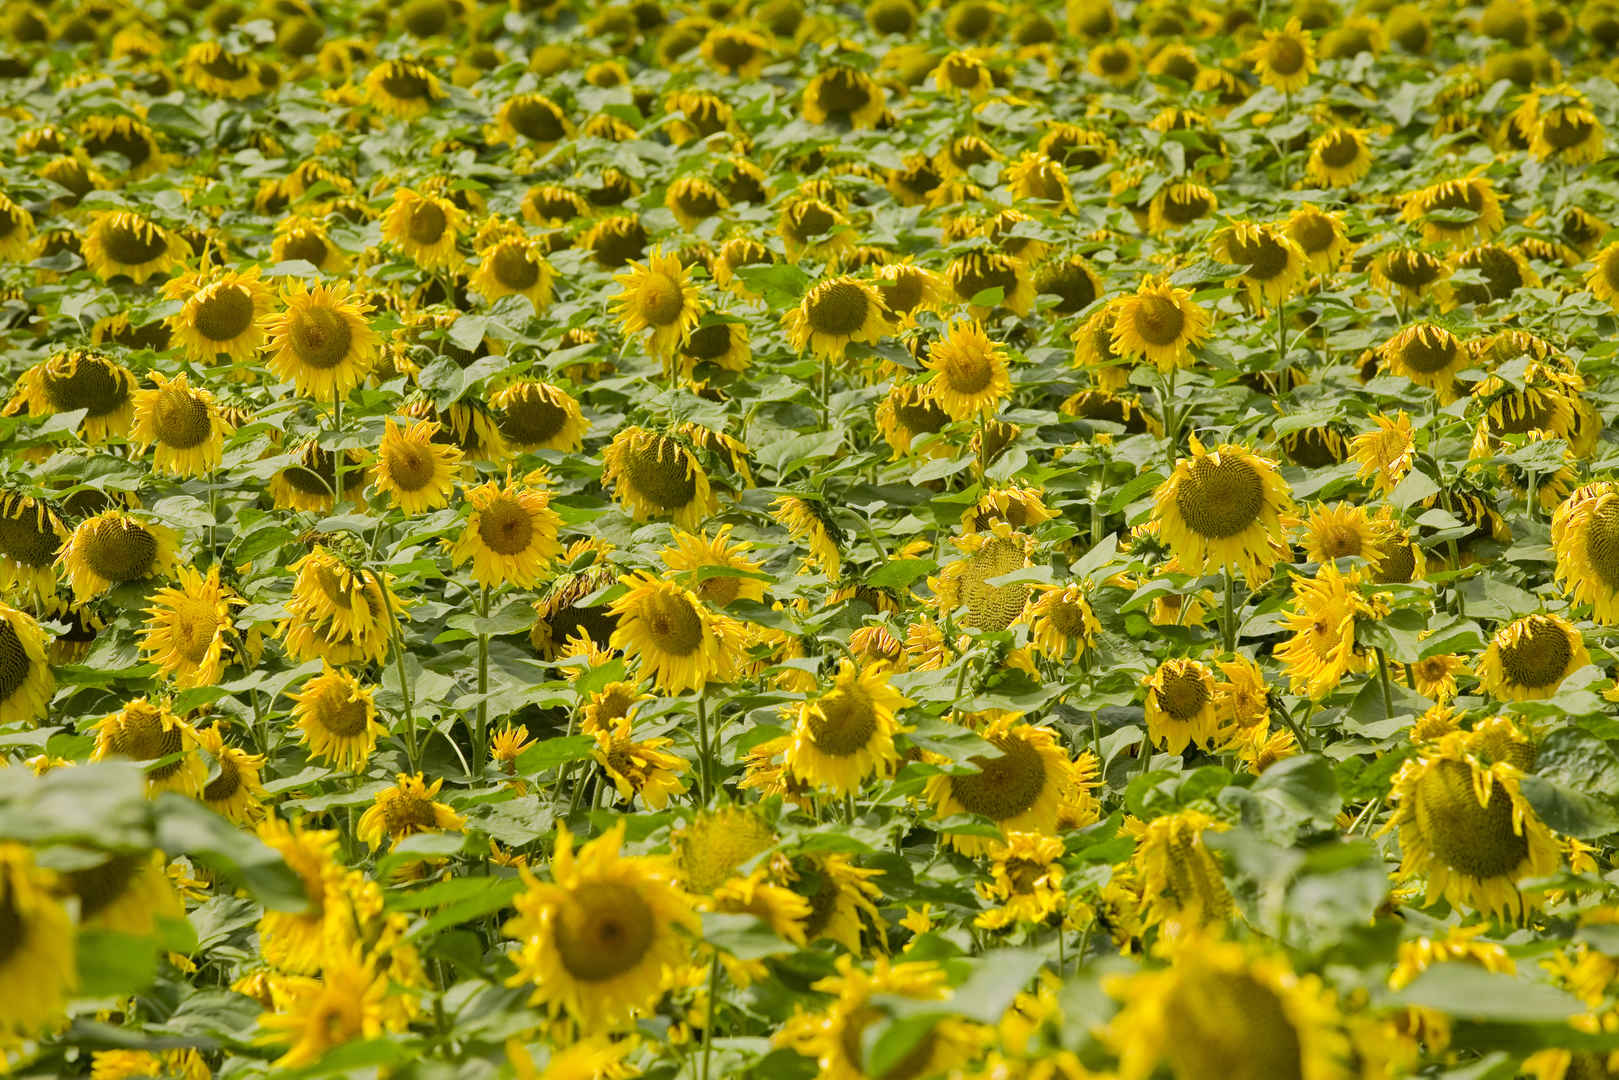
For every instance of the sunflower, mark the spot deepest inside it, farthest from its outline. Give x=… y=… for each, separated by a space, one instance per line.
x=311 y=482
x=114 y=547
x=1567 y=131
x=425 y=228
x=1020 y=789
x=643 y=767
x=224 y=316
x=970 y=375
x=972 y=274
x=845 y=735
x=675 y=638
x=1320 y=236
x=835 y=313
x=26 y=680
x=123 y=136
x=1223 y=508
x=843 y=96
x=907 y=290
x=218 y=73
x=1285 y=58
x=1585 y=537
x=1434 y=677
x=510 y=535
x=1340 y=532
x=1025 y=881
x=183 y=423
x=16 y=230
x=1528 y=659
x=1428 y=355
x=31 y=537
x=1386 y=453
x=1062 y=623
x=37 y=973
x=415 y=472
x=1323 y=649
x=235 y=791
x=314 y=1016
x=338 y=613
x=1115 y=62
x=189 y=635
x=300 y=238
x=1180 y=705
x=1225 y=1011
x=338 y=719
x=296 y=941
x=1036 y=178
x=811 y=521
x=406 y=809
x=1455 y=211
x=658 y=295
x=515 y=266
x=403 y=88
x=656 y=476
x=1159 y=323
x=1272 y=263
x=603 y=940
x=907 y=413
x=124 y=893
x=1501 y=272
x=1464 y=824
x=1181 y=877
x=535 y=118
x=965 y=582
x=1603 y=277
x=1179 y=204
x=834 y=1036
x=142 y=731
x=119 y=243
x=718 y=570
x=322 y=342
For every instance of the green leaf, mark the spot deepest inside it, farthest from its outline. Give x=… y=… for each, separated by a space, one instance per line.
x=114 y=965
x=900 y=573
x=186 y=827
x=1567 y=811
x=1464 y=991
x=550 y=753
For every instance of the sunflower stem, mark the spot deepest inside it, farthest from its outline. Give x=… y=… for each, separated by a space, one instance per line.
x=339 y=453
x=1172 y=434
x=1228 y=615
x=412 y=753
x=1062 y=957
x=1383 y=677
x=1281 y=335
x=1298 y=732
x=482 y=731
x=708 y=1020
x=703 y=763
x=983 y=449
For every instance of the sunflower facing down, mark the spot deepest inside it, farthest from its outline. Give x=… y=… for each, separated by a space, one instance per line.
x=1180 y=705
x=970 y=375
x=1272 y=263
x=1470 y=209
x=403 y=89
x=31 y=537
x=656 y=476
x=236 y=791
x=539 y=416
x=1159 y=323
x=1323 y=649
x=1228 y=1011
x=26 y=680
x=189 y=634
x=406 y=809
x=845 y=96
x=1528 y=659
x=337 y=717
x=1585 y=537
x=1223 y=508
x=413 y=470
x=115 y=547
x=836 y=313
x=675 y=639
x=1020 y=789
x=846 y=734
x=337 y=612
x=79 y=379
x=16 y=230
x=322 y=342
x=38 y=973
x=605 y=938
x=510 y=535
x=1465 y=826
x=658 y=295
x=183 y=423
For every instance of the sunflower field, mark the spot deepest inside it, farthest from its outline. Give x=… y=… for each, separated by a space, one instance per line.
x=785 y=540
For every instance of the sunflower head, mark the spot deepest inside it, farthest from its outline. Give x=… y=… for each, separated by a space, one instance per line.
x=1223 y=508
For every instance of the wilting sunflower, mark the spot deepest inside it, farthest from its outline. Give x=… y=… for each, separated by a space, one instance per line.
x=1585 y=537
x=322 y=342
x=183 y=423
x=26 y=680
x=416 y=472
x=811 y=521
x=1561 y=125
x=118 y=243
x=1528 y=659
x=142 y=731
x=722 y=344
x=657 y=476
x=31 y=537
x=406 y=809
x=1285 y=58
x=1223 y=508
x=1320 y=236
x=1181 y=877
x=835 y=313
x=533 y=117
x=1228 y=1011
x=907 y=413
x=510 y=535
x=299 y=237
x=658 y=295
x=1177 y=205
x=227 y=315
x=1603 y=277
x=1323 y=649
x=1159 y=323
x=1475 y=210
x=974 y=273
x=424 y=227
x=539 y=416
x=189 y=634
x=1386 y=453
x=37 y=973
x=338 y=719
x=236 y=791
x=1020 y=789
x=643 y=767
x=114 y=547
x=1180 y=705
x=604 y=939
x=403 y=89
x=1429 y=356
x=1465 y=825
x=833 y=1037
x=296 y=941
x=845 y=735
x=843 y=95
x=337 y=612
x=1272 y=263
x=970 y=375
x=515 y=266
x=16 y=230
x=311 y=482
x=79 y=379
x=675 y=638
x=218 y=73
x=965 y=582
